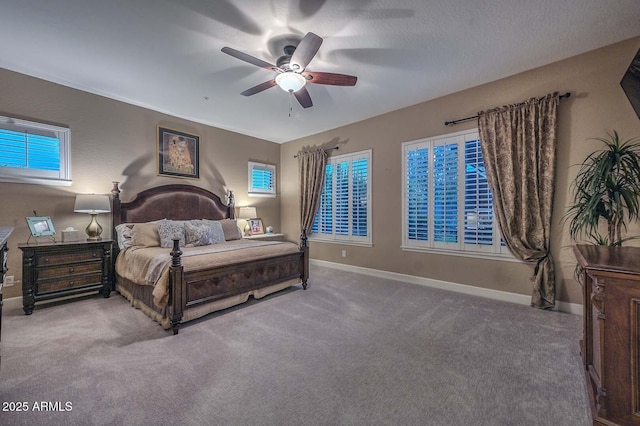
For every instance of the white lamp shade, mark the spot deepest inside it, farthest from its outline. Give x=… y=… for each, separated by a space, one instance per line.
x=247 y=213
x=290 y=81
x=92 y=203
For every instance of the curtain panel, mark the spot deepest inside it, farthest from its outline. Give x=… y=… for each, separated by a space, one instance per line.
x=519 y=149
x=311 y=170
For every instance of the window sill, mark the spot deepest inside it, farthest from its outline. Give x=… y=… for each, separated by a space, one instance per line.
x=260 y=195
x=477 y=255
x=342 y=242
x=35 y=181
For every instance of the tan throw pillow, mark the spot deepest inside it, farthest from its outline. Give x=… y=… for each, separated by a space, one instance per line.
x=230 y=229
x=145 y=235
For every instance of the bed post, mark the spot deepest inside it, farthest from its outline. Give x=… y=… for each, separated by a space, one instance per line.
x=231 y=207
x=116 y=218
x=176 y=287
x=304 y=259
x=115 y=207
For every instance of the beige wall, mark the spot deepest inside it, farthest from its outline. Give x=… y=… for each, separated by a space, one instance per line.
x=597 y=106
x=111 y=140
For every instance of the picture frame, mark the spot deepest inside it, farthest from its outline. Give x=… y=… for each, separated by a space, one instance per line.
x=178 y=154
x=256 y=226
x=41 y=226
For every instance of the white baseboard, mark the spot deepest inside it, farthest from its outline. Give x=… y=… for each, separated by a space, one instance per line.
x=571 y=308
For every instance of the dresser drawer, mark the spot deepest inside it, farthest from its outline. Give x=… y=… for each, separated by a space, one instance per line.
x=48 y=286
x=68 y=270
x=68 y=257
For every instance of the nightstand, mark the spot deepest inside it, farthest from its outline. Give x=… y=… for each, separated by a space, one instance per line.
x=53 y=270
x=266 y=237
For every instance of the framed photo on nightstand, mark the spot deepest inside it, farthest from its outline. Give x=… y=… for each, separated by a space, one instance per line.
x=41 y=226
x=256 y=226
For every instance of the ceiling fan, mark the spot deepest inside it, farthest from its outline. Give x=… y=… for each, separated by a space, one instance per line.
x=290 y=67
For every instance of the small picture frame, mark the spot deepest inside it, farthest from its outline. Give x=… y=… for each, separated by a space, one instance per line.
x=178 y=154
x=41 y=226
x=256 y=226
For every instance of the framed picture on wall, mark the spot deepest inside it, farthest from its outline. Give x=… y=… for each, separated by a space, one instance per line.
x=178 y=154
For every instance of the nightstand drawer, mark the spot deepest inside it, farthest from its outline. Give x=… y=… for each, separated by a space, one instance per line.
x=68 y=283
x=67 y=270
x=72 y=257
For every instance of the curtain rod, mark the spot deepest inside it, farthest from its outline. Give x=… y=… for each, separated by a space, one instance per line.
x=460 y=120
x=326 y=150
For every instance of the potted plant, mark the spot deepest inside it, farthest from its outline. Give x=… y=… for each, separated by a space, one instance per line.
x=607 y=187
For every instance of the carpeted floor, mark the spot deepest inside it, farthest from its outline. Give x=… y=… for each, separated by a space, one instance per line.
x=351 y=350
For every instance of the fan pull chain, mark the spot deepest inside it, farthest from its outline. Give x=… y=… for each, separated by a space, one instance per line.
x=290 y=97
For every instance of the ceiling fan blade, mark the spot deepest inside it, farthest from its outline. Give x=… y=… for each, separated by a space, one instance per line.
x=304 y=53
x=259 y=88
x=303 y=97
x=251 y=59
x=330 y=78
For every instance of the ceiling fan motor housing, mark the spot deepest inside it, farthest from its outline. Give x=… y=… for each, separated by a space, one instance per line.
x=283 y=61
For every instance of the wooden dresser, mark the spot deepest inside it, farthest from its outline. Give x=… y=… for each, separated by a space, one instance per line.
x=52 y=270
x=610 y=281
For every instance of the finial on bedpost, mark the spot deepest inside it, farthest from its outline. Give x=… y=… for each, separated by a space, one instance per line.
x=303 y=239
x=115 y=191
x=176 y=260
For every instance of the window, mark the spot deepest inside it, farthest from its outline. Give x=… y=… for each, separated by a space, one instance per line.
x=344 y=214
x=34 y=153
x=262 y=180
x=447 y=204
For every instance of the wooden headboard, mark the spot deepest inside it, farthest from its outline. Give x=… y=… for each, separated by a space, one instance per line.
x=176 y=202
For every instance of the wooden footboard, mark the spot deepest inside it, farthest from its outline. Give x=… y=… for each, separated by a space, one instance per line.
x=187 y=290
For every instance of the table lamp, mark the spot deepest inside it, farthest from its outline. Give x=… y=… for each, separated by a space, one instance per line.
x=247 y=213
x=94 y=205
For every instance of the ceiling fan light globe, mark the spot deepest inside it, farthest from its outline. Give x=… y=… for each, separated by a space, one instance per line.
x=290 y=81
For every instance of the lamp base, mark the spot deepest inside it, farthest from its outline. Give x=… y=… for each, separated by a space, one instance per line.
x=247 y=229
x=94 y=229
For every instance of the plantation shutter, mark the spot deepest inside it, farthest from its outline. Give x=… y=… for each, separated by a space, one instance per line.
x=445 y=193
x=478 y=202
x=417 y=193
x=24 y=150
x=359 y=202
x=342 y=198
x=262 y=179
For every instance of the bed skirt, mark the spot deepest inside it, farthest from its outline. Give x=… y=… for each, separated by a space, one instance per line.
x=141 y=297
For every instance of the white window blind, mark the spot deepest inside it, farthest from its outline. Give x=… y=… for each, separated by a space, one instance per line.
x=344 y=213
x=447 y=204
x=262 y=180
x=33 y=152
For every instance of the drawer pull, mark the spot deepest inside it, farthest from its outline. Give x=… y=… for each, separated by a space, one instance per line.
x=71 y=283
x=71 y=270
x=46 y=260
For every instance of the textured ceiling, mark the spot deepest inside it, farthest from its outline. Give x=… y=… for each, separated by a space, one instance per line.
x=165 y=54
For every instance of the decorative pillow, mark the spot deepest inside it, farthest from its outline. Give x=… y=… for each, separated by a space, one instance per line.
x=230 y=229
x=197 y=234
x=203 y=233
x=170 y=230
x=124 y=233
x=218 y=232
x=145 y=235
